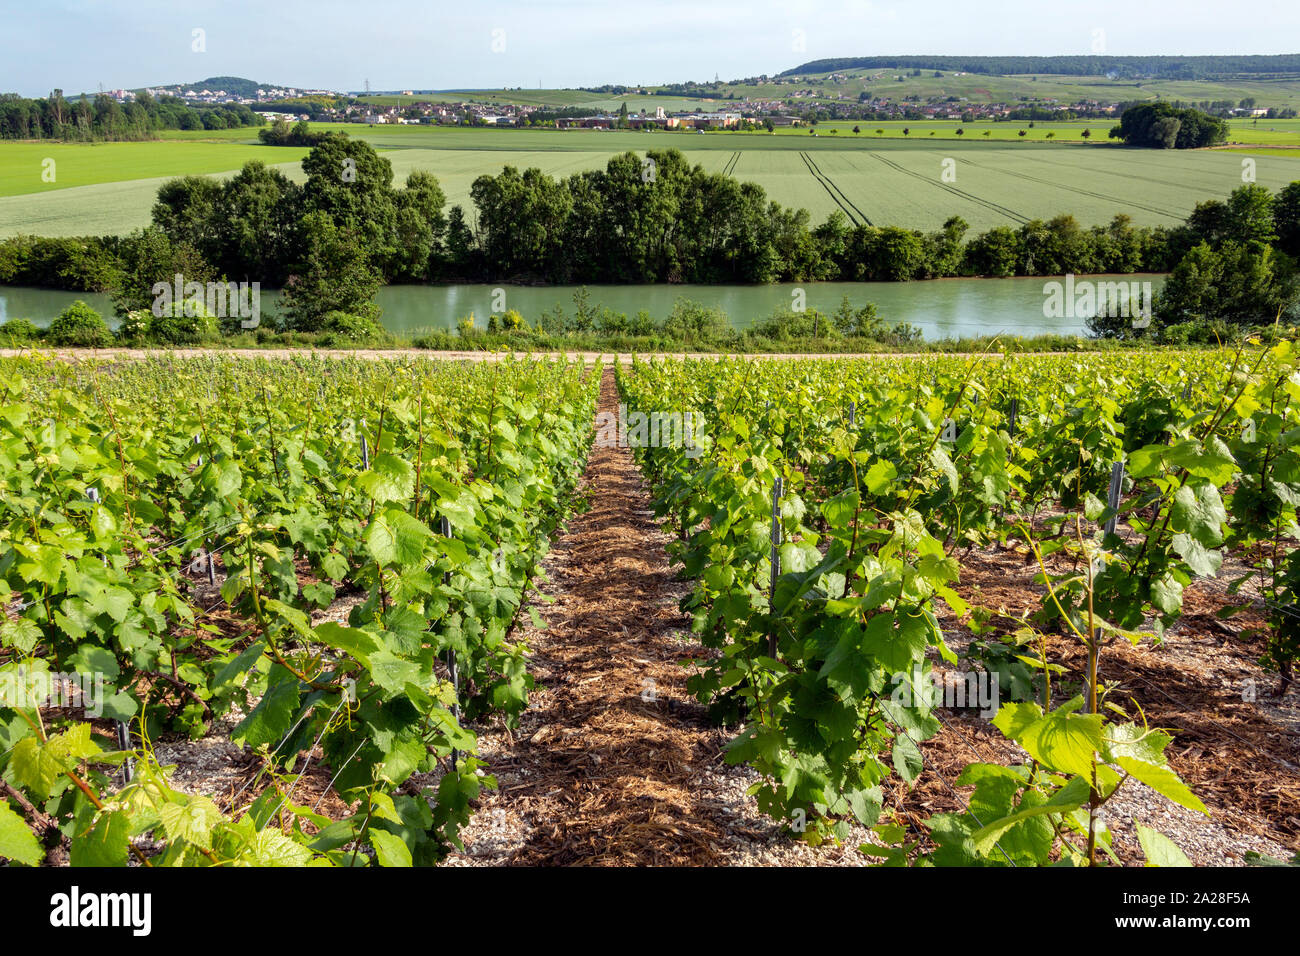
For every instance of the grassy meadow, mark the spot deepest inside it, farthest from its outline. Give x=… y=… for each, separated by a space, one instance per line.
x=885 y=177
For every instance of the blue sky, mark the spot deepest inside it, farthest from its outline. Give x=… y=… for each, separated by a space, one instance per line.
x=79 y=44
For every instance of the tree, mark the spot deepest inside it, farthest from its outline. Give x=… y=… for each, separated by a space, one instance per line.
x=258 y=225
x=353 y=185
x=1238 y=283
x=993 y=253
x=1165 y=126
x=1250 y=214
x=189 y=210
x=521 y=221
x=421 y=227
x=1164 y=132
x=336 y=276
x=1286 y=219
x=149 y=257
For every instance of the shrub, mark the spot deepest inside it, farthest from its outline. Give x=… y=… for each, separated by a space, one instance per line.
x=80 y=326
x=135 y=326
x=18 y=332
x=785 y=324
x=465 y=327
x=346 y=327
x=690 y=321
x=182 y=323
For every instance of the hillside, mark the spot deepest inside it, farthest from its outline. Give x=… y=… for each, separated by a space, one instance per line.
x=1156 y=67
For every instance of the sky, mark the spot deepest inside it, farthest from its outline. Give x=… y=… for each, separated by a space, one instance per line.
x=78 y=45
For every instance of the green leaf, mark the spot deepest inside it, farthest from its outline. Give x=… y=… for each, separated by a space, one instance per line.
x=1163 y=781
x=391 y=672
x=1061 y=740
x=396 y=538
x=389 y=479
x=1199 y=511
x=272 y=848
x=940 y=460
x=17 y=842
x=1070 y=797
x=880 y=477
x=1200 y=559
x=1159 y=849
x=192 y=821
x=269 y=721
x=104 y=844
x=390 y=850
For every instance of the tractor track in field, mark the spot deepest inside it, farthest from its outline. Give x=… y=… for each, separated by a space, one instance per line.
x=729 y=168
x=1126 y=175
x=852 y=211
x=1079 y=190
x=970 y=197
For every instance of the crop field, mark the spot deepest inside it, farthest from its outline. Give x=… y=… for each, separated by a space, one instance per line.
x=885 y=179
x=23 y=166
x=992 y=88
x=408 y=612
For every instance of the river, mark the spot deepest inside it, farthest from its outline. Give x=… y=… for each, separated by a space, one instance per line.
x=942 y=308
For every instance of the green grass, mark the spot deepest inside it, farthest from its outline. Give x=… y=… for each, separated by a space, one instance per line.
x=888 y=179
x=984 y=88
x=88 y=164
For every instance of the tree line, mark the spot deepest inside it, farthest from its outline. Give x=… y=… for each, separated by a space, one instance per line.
x=333 y=240
x=1162 y=67
x=104 y=118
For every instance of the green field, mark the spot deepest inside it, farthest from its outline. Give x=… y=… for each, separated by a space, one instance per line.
x=988 y=88
x=885 y=179
x=970 y=87
x=88 y=164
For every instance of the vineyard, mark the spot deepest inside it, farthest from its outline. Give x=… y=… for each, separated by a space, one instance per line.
x=930 y=611
x=179 y=529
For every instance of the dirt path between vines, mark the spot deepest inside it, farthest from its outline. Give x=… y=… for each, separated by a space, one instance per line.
x=614 y=763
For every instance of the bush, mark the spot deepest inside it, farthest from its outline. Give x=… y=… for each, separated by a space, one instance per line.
x=1201 y=332
x=692 y=322
x=18 y=332
x=785 y=324
x=465 y=327
x=509 y=321
x=182 y=323
x=80 y=326
x=135 y=326
x=346 y=327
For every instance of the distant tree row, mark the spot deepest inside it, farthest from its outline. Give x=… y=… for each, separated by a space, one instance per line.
x=103 y=118
x=1161 y=67
x=280 y=133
